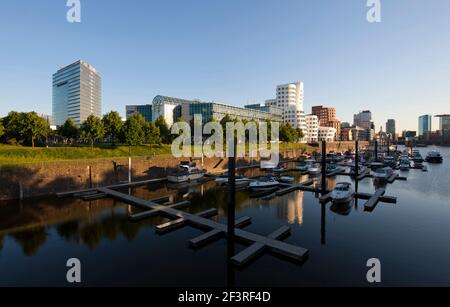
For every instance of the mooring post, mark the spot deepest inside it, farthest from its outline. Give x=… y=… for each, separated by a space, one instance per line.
x=129 y=169
x=90 y=177
x=388 y=149
x=324 y=166
x=231 y=190
x=376 y=150
x=356 y=165
x=323 y=220
x=20 y=191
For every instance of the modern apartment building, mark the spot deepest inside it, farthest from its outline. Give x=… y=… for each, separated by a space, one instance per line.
x=289 y=98
x=77 y=93
x=425 y=124
x=145 y=110
x=327 y=134
x=327 y=118
x=312 y=128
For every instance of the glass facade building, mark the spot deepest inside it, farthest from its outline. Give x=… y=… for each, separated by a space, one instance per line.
x=424 y=124
x=144 y=110
x=174 y=108
x=76 y=93
x=217 y=111
x=444 y=125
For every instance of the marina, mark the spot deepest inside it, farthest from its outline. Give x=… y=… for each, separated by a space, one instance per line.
x=167 y=221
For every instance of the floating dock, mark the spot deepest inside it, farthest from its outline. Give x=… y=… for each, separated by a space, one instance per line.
x=214 y=230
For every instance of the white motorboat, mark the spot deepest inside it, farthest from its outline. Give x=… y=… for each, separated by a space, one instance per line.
x=178 y=176
x=286 y=179
x=185 y=174
x=342 y=193
x=222 y=179
x=405 y=163
x=264 y=183
x=302 y=166
x=434 y=157
x=314 y=170
x=382 y=174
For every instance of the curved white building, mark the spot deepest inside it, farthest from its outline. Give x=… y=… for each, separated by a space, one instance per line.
x=290 y=99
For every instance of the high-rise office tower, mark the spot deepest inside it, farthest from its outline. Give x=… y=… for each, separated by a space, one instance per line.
x=444 y=125
x=424 y=124
x=77 y=93
x=390 y=128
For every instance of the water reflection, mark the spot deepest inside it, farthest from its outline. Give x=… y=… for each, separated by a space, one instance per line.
x=68 y=227
x=291 y=210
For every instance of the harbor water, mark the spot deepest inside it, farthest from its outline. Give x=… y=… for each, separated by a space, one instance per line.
x=410 y=238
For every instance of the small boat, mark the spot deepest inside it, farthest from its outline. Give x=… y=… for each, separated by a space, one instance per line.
x=342 y=193
x=417 y=157
x=263 y=193
x=302 y=166
x=264 y=183
x=389 y=161
x=186 y=173
x=222 y=179
x=361 y=169
x=376 y=165
x=314 y=169
x=405 y=165
x=382 y=174
x=278 y=169
x=286 y=179
x=434 y=157
x=178 y=176
x=268 y=165
x=331 y=167
x=187 y=165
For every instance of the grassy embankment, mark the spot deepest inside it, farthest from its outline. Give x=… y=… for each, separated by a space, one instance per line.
x=14 y=155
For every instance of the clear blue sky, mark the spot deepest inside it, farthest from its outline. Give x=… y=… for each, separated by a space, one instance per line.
x=236 y=52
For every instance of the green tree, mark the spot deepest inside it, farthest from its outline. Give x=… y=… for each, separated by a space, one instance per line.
x=299 y=133
x=113 y=125
x=133 y=131
x=92 y=129
x=35 y=126
x=163 y=130
x=13 y=124
x=287 y=133
x=68 y=130
x=2 y=129
x=152 y=133
x=25 y=126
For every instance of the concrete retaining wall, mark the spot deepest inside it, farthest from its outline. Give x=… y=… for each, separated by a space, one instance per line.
x=47 y=178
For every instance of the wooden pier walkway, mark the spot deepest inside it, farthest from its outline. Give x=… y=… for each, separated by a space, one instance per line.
x=374 y=199
x=214 y=229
